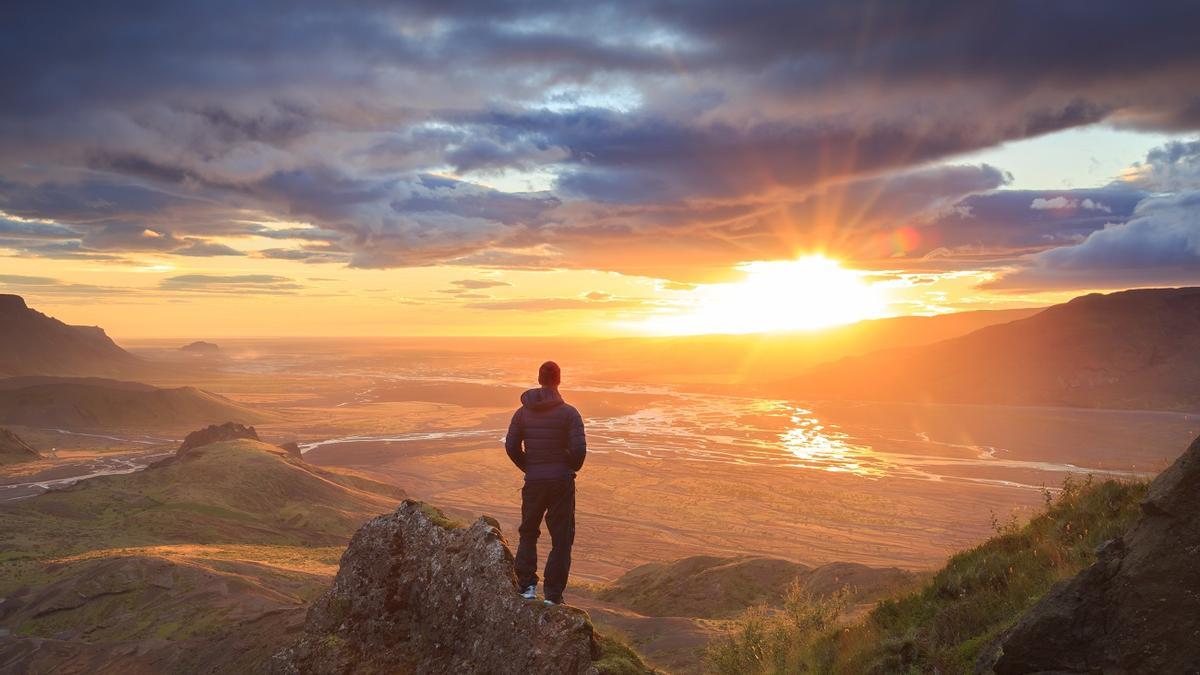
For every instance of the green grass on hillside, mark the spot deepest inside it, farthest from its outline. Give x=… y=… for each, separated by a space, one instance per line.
x=618 y=658
x=438 y=517
x=944 y=626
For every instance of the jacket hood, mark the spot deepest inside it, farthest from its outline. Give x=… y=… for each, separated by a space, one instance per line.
x=542 y=398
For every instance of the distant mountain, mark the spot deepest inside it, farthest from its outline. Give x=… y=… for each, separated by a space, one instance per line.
x=755 y=358
x=32 y=343
x=94 y=403
x=1133 y=349
x=205 y=563
x=201 y=348
x=13 y=450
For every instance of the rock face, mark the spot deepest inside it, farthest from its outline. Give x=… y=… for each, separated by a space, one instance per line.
x=418 y=594
x=14 y=450
x=32 y=343
x=1137 y=609
x=230 y=431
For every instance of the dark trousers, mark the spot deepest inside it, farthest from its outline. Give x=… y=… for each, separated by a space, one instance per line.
x=555 y=500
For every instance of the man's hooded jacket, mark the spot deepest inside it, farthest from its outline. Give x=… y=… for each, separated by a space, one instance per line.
x=552 y=434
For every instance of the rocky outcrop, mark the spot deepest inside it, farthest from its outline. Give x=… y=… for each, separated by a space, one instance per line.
x=14 y=450
x=292 y=448
x=229 y=431
x=419 y=594
x=201 y=348
x=1137 y=609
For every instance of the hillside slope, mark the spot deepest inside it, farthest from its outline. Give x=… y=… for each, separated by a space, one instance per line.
x=203 y=563
x=713 y=587
x=671 y=611
x=32 y=343
x=94 y=403
x=14 y=450
x=945 y=624
x=1136 y=609
x=1128 y=350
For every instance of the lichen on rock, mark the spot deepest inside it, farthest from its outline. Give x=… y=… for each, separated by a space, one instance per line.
x=413 y=595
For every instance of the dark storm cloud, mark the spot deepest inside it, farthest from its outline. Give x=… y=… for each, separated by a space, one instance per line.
x=639 y=123
x=34 y=230
x=1171 y=168
x=1022 y=220
x=1155 y=241
x=615 y=157
x=1159 y=245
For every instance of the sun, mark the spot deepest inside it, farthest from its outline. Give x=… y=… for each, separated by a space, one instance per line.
x=803 y=294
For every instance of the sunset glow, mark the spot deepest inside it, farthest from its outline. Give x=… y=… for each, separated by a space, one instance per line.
x=578 y=172
x=808 y=293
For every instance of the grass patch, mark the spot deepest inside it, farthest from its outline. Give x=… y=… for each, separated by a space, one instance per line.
x=440 y=519
x=945 y=625
x=618 y=658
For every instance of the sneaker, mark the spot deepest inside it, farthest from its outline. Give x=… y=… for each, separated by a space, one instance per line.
x=530 y=592
x=548 y=601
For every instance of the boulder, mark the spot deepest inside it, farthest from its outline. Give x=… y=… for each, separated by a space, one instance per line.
x=229 y=431
x=1137 y=609
x=417 y=593
x=292 y=448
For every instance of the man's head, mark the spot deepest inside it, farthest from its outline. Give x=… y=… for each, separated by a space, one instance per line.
x=549 y=375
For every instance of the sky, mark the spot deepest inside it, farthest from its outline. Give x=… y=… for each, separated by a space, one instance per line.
x=207 y=169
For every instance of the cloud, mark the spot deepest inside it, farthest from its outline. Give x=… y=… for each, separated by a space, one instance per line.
x=479 y=283
x=304 y=255
x=667 y=137
x=560 y=304
x=38 y=286
x=1160 y=244
x=24 y=229
x=1150 y=233
x=1171 y=168
x=239 y=284
x=677 y=286
x=1060 y=203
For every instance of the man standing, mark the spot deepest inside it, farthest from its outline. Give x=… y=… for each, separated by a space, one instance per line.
x=554 y=449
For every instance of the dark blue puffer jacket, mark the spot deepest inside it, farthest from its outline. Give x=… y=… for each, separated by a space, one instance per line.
x=552 y=435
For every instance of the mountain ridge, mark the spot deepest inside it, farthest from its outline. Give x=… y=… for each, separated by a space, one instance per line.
x=1125 y=350
x=33 y=343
